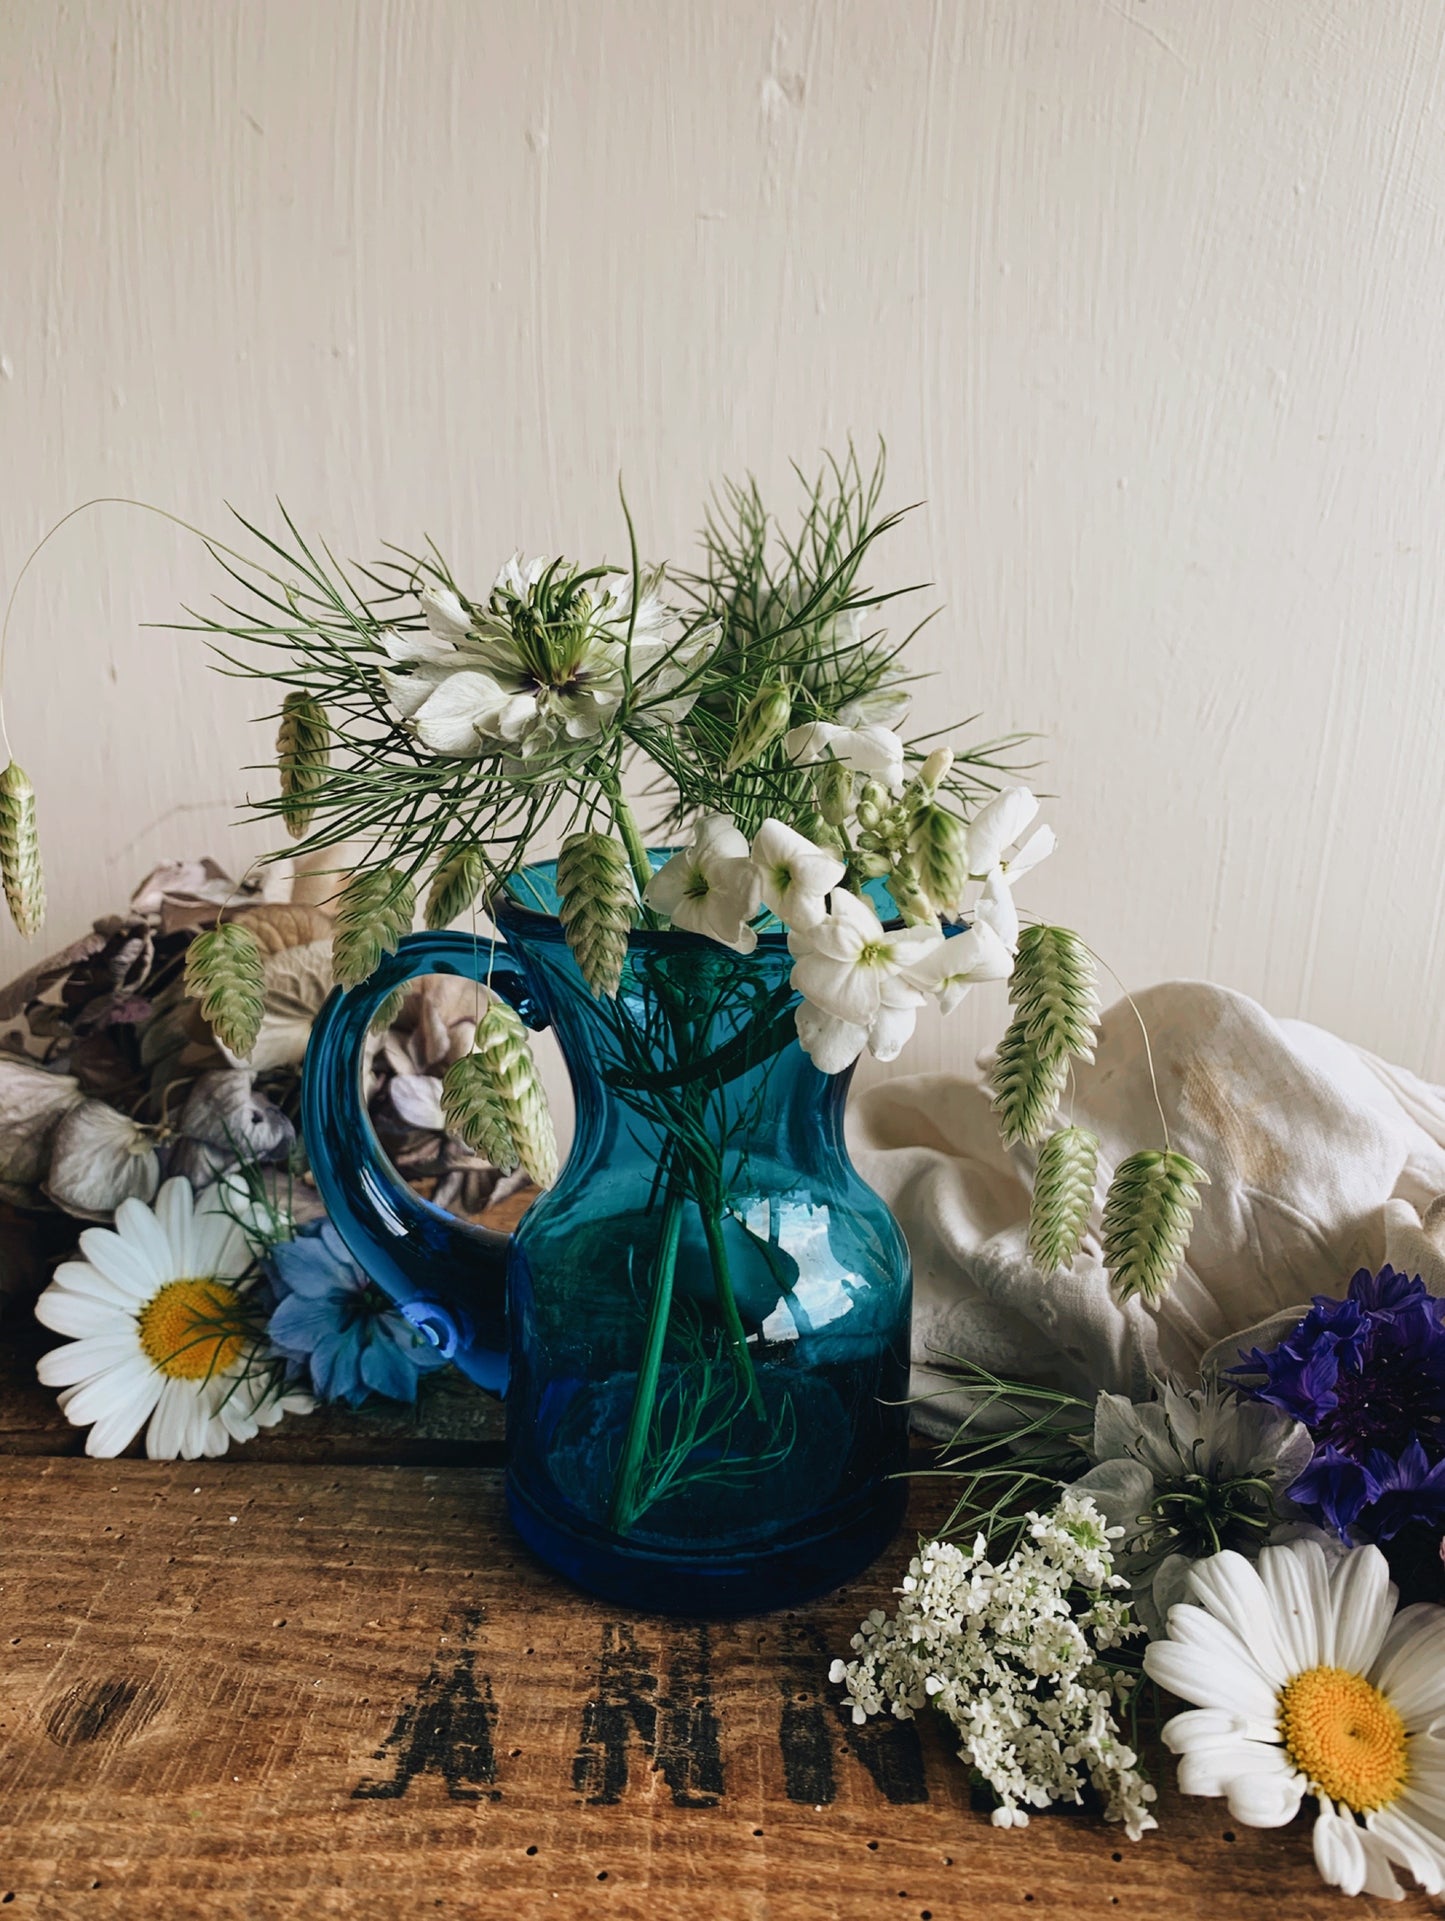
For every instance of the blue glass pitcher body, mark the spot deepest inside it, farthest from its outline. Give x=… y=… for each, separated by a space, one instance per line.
x=702 y=1328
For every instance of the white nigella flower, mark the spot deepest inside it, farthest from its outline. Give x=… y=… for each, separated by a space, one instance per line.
x=856 y=979
x=1187 y=1475
x=796 y=876
x=711 y=887
x=446 y=618
x=161 y=1333
x=868 y=749
x=1010 y=1653
x=1307 y=1682
x=544 y=664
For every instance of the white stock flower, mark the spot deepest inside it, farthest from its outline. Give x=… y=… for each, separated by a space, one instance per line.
x=1010 y=1653
x=963 y=960
x=796 y=875
x=997 y=826
x=869 y=749
x=854 y=976
x=160 y=1333
x=1307 y=1682
x=1186 y=1475
x=711 y=887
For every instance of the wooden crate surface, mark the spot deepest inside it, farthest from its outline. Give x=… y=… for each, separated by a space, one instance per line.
x=273 y=1690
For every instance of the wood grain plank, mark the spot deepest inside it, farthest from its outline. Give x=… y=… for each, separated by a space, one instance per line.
x=243 y=1689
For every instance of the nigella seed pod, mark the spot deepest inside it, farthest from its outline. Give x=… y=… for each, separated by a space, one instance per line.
x=20 y=868
x=764 y=720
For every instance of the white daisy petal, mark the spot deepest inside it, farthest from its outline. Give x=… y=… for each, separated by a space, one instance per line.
x=1298 y=1581
x=1417 y=1845
x=1410 y=1666
x=66 y=1311
x=116 y=1261
x=174 y=1210
x=138 y=1227
x=1266 y=1800
x=1363 y=1602
x=1214 y=1771
x=80 y=1361
x=1195 y=1674
x=128 y=1408
x=1232 y=1590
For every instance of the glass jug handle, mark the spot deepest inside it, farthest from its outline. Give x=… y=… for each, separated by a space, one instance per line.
x=447 y=1276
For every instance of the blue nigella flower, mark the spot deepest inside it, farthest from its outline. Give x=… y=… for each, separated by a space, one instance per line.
x=336 y=1322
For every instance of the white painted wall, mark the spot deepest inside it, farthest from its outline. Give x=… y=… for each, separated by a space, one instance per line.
x=1146 y=296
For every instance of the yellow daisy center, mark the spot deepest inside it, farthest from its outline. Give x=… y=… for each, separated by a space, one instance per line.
x=193 y=1330
x=1345 y=1736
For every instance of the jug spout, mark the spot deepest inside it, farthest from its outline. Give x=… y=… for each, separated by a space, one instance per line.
x=447 y=1276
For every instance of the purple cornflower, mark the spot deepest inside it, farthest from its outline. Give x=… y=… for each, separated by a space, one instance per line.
x=1366 y=1375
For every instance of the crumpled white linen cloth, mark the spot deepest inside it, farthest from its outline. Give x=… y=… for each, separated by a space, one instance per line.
x=1322 y=1159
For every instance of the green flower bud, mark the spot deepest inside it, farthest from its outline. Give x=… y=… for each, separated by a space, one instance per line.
x=764 y=720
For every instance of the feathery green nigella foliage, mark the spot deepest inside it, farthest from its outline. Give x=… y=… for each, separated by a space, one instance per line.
x=20 y=868
x=455 y=885
x=1063 y=1196
x=226 y=974
x=303 y=758
x=1148 y=1217
x=1053 y=991
x=1027 y=1087
x=597 y=905
x=375 y=909
x=493 y=1098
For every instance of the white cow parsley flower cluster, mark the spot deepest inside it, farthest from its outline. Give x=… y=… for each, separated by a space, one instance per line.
x=1012 y=1655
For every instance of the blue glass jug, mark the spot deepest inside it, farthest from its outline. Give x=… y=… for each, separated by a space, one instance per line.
x=702 y=1329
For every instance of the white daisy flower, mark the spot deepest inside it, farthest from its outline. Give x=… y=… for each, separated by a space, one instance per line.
x=867 y=749
x=1308 y=1683
x=161 y=1333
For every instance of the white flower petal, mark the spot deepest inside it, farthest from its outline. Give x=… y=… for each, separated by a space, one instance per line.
x=65 y=1311
x=121 y=1404
x=830 y=1044
x=996 y=826
x=1297 y=1578
x=1416 y=1843
x=1039 y=845
x=81 y=1361
x=120 y=1264
x=891 y=1032
x=446 y=618
x=1233 y=1592
x=1410 y=1666
x=1217 y=1770
x=138 y=1227
x=1266 y=1800
x=1363 y=1600
x=1214 y=1675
